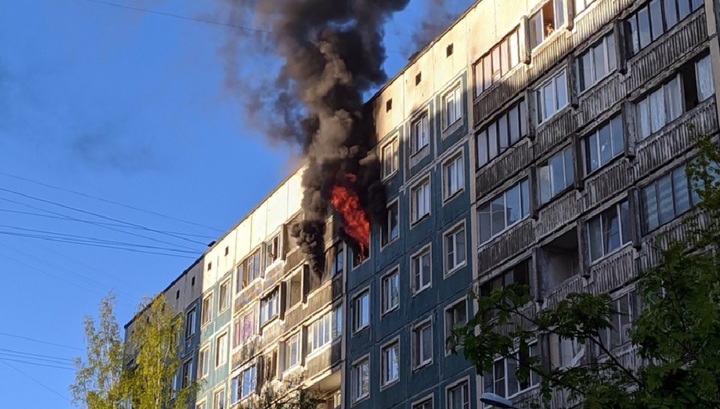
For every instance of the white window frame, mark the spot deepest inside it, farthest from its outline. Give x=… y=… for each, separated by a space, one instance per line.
x=556 y=27
x=420 y=193
x=388 y=376
x=464 y=386
x=504 y=131
x=593 y=138
x=452 y=101
x=546 y=177
x=201 y=405
x=418 y=360
x=358 y=312
x=426 y=250
x=325 y=330
x=190 y=323
x=296 y=339
x=267 y=312
x=206 y=313
x=217 y=393
x=423 y=402
x=558 y=77
x=390 y=167
x=386 y=301
x=386 y=236
x=670 y=103
x=238 y=383
x=488 y=204
x=454 y=183
x=418 y=141
x=357 y=379
x=204 y=361
x=452 y=235
x=221 y=349
x=533 y=378
x=487 y=72
x=607 y=43
x=226 y=285
x=624 y=241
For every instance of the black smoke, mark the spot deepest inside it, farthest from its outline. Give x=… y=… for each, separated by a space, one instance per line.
x=332 y=54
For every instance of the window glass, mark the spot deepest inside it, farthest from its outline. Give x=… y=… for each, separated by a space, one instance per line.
x=656 y=21
x=644 y=27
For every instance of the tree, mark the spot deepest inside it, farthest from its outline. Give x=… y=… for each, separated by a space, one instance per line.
x=98 y=379
x=676 y=336
x=141 y=371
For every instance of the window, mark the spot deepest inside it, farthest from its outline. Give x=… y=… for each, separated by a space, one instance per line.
x=272 y=250
x=565 y=352
x=361 y=311
x=324 y=330
x=390 y=363
x=243 y=329
x=453 y=176
x=335 y=259
x=187 y=369
x=390 y=158
x=545 y=21
x=206 y=312
x=360 y=379
x=502 y=133
x=660 y=107
x=422 y=344
x=243 y=384
x=452 y=107
x=456 y=315
x=556 y=175
x=654 y=19
x=270 y=363
x=581 y=5
x=666 y=198
x=458 y=396
x=518 y=274
x=421 y=270
x=419 y=137
x=496 y=63
x=269 y=306
x=420 y=200
x=293 y=290
x=454 y=248
x=390 y=288
x=552 y=96
x=201 y=405
x=292 y=351
x=609 y=231
x=504 y=211
x=424 y=404
x=391 y=228
x=597 y=62
x=190 y=323
x=204 y=358
x=221 y=352
x=248 y=270
x=628 y=308
x=219 y=401
x=224 y=296
x=703 y=74
x=603 y=144
x=502 y=378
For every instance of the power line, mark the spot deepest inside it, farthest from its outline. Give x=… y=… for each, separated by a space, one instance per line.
x=34 y=356
x=39 y=341
x=178 y=16
x=35 y=380
x=112 y=202
x=68 y=368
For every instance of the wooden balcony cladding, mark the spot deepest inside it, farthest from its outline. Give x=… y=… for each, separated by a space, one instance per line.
x=558 y=213
x=552 y=133
x=549 y=53
x=508 y=244
x=661 y=238
x=246 y=351
x=600 y=98
x=663 y=52
x=515 y=159
x=608 y=182
x=574 y=284
x=602 y=13
x=613 y=271
x=489 y=101
x=323 y=361
x=667 y=144
x=293 y=259
x=248 y=294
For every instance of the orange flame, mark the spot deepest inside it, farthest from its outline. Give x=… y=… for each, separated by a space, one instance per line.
x=347 y=204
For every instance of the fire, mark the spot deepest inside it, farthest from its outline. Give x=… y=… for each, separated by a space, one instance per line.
x=347 y=204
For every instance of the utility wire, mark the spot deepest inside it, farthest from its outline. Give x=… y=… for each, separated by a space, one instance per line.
x=35 y=356
x=98 y=215
x=39 y=341
x=3 y=361
x=113 y=202
x=69 y=368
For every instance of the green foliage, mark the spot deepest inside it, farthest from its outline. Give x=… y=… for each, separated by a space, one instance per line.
x=103 y=381
x=677 y=334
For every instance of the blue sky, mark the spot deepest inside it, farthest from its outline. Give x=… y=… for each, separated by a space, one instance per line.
x=118 y=138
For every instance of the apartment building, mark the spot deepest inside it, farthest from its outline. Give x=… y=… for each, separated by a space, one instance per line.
x=534 y=141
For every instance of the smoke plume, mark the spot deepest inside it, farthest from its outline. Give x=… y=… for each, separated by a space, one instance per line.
x=332 y=53
x=436 y=18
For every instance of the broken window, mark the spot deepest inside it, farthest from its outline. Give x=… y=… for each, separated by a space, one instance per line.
x=518 y=274
x=391 y=228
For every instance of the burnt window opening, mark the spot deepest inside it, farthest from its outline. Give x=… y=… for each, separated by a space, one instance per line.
x=388 y=105
x=518 y=274
x=558 y=261
x=418 y=78
x=449 y=50
x=359 y=255
x=335 y=260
